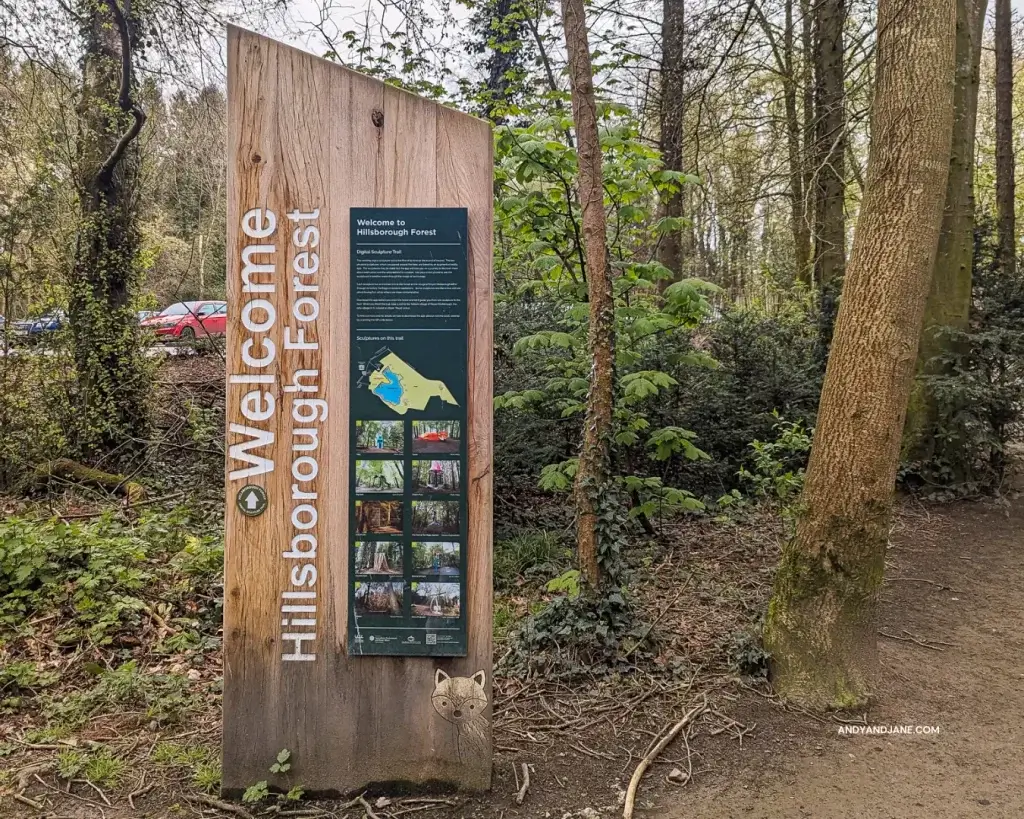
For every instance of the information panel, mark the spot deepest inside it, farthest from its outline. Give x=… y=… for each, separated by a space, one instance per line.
x=408 y=510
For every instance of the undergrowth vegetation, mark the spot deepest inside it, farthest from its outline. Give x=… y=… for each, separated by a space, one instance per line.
x=978 y=384
x=91 y=600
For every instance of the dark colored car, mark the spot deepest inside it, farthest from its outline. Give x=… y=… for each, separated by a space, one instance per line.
x=188 y=320
x=32 y=329
x=49 y=323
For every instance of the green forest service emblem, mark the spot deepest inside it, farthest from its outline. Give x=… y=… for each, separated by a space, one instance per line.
x=251 y=500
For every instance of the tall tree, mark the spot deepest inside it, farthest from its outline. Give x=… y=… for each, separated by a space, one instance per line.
x=787 y=65
x=671 y=115
x=794 y=128
x=108 y=357
x=949 y=301
x=1004 y=138
x=594 y=469
x=829 y=142
x=822 y=618
x=807 y=85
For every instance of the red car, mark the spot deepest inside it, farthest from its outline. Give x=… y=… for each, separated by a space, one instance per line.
x=188 y=320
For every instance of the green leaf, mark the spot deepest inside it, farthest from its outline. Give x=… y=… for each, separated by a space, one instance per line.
x=568 y=582
x=257 y=792
x=669 y=441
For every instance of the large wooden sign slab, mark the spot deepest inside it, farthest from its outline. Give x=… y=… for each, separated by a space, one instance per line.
x=357 y=625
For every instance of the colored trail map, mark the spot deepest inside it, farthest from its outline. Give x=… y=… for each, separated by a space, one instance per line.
x=401 y=387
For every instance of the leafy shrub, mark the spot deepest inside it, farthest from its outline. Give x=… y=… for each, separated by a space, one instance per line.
x=978 y=385
x=778 y=464
x=25 y=676
x=20 y=679
x=747 y=655
x=104 y=576
x=89 y=572
x=573 y=634
x=543 y=368
x=767 y=365
x=34 y=412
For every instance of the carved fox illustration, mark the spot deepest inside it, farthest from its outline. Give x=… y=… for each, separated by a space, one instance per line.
x=462 y=702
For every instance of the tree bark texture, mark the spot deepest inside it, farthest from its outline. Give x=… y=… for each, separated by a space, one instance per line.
x=111 y=371
x=949 y=300
x=794 y=135
x=807 y=85
x=595 y=454
x=821 y=624
x=1004 y=139
x=829 y=141
x=671 y=113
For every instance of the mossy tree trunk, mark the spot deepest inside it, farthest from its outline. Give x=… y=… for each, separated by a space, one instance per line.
x=595 y=455
x=821 y=625
x=949 y=300
x=110 y=366
x=1004 y=139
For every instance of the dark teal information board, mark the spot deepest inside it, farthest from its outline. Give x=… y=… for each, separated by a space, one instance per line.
x=409 y=350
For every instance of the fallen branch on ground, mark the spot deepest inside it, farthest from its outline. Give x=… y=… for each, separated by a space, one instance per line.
x=68 y=470
x=645 y=763
x=20 y=797
x=227 y=807
x=909 y=639
x=521 y=795
x=359 y=800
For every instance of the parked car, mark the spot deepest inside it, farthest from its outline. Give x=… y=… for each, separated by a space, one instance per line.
x=49 y=323
x=33 y=329
x=187 y=320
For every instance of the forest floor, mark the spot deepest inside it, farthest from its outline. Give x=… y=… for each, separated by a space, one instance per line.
x=952 y=657
x=951 y=649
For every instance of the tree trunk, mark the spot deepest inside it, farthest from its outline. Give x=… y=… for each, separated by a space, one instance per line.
x=671 y=125
x=111 y=372
x=794 y=129
x=595 y=455
x=821 y=625
x=202 y=266
x=949 y=301
x=1004 y=139
x=807 y=86
x=829 y=142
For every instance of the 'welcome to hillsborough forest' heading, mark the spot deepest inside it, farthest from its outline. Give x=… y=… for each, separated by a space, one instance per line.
x=397 y=229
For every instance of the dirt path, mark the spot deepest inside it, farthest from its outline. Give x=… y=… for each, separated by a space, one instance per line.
x=957 y=578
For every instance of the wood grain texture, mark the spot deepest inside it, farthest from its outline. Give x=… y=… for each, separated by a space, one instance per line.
x=465 y=165
x=302 y=133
